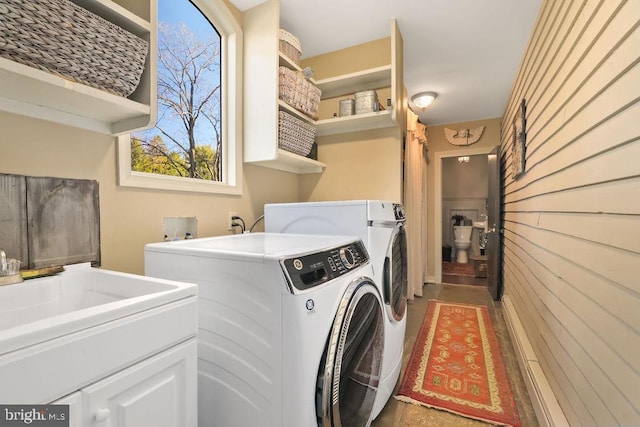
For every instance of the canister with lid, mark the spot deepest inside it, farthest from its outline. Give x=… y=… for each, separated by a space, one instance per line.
x=366 y=101
x=347 y=107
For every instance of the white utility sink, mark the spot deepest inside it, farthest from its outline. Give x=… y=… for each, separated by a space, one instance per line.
x=89 y=312
x=76 y=299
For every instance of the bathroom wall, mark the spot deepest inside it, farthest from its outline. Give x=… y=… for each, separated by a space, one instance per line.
x=464 y=192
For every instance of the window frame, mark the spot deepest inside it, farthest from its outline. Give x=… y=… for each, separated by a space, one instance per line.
x=230 y=32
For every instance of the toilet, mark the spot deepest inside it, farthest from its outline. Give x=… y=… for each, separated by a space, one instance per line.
x=462 y=242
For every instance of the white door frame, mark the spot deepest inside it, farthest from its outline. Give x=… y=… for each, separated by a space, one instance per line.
x=439 y=156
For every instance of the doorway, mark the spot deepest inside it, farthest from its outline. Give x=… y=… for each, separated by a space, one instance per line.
x=471 y=209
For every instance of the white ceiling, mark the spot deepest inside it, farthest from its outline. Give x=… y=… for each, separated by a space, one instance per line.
x=468 y=51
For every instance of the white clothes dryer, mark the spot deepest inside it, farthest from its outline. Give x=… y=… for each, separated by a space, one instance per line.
x=291 y=327
x=380 y=225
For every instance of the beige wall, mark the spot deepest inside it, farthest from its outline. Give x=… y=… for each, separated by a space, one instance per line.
x=437 y=143
x=364 y=164
x=350 y=60
x=360 y=165
x=129 y=217
x=572 y=222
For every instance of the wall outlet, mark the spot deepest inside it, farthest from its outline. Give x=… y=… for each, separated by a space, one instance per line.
x=230 y=220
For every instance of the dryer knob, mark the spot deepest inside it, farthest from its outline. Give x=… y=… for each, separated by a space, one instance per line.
x=347 y=258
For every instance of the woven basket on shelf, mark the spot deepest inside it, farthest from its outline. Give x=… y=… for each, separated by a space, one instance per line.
x=62 y=38
x=295 y=135
x=290 y=46
x=298 y=92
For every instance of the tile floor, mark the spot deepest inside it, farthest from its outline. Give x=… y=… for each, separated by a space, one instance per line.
x=449 y=276
x=400 y=414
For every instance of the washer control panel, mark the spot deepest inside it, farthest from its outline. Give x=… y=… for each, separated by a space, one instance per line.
x=306 y=271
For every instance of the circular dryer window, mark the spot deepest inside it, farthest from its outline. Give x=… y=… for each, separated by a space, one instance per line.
x=350 y=369
x=395 y=275
x=398 y=274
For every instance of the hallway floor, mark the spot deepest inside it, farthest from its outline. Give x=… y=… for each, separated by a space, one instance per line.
x=400 y=414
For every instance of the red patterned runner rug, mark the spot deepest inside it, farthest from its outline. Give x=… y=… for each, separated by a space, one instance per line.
x=456 y=365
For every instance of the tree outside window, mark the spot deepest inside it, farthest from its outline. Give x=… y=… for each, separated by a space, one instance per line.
x=187 y=138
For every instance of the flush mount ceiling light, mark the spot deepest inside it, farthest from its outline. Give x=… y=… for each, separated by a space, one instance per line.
x=423 y=99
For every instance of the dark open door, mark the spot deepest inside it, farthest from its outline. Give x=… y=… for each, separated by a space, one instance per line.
x=494 y=233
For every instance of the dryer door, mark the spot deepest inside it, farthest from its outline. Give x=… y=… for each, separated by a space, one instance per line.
x=395 y=274
x=350 y=369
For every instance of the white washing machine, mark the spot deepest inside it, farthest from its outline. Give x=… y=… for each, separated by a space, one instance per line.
x=291 y=327
x=380 y=225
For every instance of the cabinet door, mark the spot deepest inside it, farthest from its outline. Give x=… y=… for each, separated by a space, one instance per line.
x=74 y=400
x=158 y=392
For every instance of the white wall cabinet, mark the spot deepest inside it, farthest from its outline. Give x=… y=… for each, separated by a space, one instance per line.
x=39 y=94
x=261 y=105
x=261 y=26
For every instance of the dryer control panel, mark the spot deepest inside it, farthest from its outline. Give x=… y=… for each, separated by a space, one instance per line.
x=307 y=271
x=398 y=212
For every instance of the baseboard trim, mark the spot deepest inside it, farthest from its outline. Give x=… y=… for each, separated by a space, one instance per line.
x=543 y=399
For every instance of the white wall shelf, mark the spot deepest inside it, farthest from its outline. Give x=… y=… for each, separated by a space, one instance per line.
x=358 y=122
x=374 y=78
x=35 y=93
x=283 y=106
x=384 y=76
x=118 y=15
x=261 y=104
x=290 y=162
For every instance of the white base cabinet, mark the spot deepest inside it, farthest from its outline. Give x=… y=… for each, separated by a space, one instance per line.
x=74 y=401
x=158 y=392
x=119 y=349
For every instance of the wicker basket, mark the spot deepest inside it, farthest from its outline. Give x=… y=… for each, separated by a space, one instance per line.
x=65 y=39
x=298 y=92
x=290 y=46
x=295 y=135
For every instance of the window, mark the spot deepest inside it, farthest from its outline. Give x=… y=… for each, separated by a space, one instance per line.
x=195 y=144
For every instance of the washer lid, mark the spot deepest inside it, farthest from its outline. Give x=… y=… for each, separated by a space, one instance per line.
x=253 y=245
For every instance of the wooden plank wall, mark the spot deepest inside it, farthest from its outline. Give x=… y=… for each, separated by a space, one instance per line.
x=572 y=221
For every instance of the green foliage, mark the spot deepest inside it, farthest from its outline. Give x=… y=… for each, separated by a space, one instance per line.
x=152 y=156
